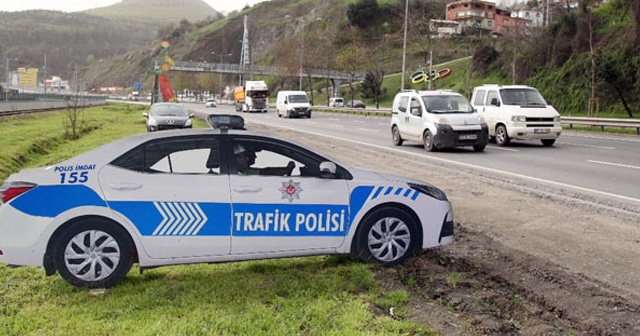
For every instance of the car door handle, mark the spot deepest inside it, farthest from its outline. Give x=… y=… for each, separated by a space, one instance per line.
x=126 y=186
x=247 y=189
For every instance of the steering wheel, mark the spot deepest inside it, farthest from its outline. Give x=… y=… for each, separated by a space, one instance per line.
x=290 y=166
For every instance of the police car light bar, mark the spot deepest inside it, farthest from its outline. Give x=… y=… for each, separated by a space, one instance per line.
x=224 y=122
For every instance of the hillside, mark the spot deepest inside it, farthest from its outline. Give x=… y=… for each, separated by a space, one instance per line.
x=90 y=37
x=157 y=12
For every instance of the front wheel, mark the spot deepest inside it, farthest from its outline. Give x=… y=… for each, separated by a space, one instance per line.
x=502 y=137
x=395 y=136
x=428 y=142
x=388 y=237
x=93 y=253
x=548 y=142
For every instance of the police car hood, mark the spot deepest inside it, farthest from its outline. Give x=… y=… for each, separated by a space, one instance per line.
x=363 y=174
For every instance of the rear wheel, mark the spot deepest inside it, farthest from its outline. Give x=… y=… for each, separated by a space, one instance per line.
x=388 y=237
x=395 y=136
x=93 y=253
x=502 y=137
x=428 y=142
x=548 y=142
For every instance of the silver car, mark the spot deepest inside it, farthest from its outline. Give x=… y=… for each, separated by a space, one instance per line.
x=164 y=116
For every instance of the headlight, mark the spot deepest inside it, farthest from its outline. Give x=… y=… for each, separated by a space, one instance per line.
x=519 y=118
x=188 y=123
x=444 y=121
x=152 y=122
x=556 y=119
x=429 y=191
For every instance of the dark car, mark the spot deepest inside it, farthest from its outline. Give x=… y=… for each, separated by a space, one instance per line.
x=164 y=116
x=355 y=104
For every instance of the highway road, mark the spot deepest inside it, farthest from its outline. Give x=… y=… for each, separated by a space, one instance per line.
x=595 y=165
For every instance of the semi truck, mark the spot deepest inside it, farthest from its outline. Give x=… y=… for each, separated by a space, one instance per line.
x=252 y=97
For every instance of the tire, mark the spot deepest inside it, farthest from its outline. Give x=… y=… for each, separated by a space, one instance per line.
x=395 y=136
x=388 y=236
x=104 y=249
x=428 y=142
x=278 y=111
x=479 y=148
x=502 y=137
x=548 y=142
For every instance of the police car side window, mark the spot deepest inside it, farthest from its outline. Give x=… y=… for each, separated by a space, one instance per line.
x=183 y=156
x=173 y=156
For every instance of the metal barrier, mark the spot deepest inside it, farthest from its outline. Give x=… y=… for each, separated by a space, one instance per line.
x=602 y=122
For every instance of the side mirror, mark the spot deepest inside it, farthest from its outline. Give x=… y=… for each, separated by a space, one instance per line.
x=495 y=102
x=191 y=115
x=328 y=169
x=416 y=111
x=145 y=114
x=285 y=101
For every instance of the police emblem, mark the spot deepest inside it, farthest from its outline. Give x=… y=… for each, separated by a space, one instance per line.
x=290 y=190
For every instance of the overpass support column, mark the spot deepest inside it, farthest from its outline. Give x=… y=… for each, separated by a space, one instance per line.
x=336 y=86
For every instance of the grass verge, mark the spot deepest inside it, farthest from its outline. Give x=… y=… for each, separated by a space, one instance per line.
x=297 y=296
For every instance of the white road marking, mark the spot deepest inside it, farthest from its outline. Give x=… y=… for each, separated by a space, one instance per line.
x=503 y=148
x=613 y=164
x=588 y=146
x=531 y=178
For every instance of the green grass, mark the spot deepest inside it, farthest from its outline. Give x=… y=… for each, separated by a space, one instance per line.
x=297 y=296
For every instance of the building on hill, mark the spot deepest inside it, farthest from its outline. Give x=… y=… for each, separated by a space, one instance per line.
x=485 y=16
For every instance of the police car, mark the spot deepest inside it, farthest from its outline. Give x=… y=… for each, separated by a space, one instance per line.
x=177 y=197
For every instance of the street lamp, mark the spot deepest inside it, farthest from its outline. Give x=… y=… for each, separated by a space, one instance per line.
x=404 y=44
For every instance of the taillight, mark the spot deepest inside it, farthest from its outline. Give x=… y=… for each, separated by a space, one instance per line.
x=10 y=190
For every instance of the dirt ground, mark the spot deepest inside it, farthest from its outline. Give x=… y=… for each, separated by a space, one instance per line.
x=527 y=259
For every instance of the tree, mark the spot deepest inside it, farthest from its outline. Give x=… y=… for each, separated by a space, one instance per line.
x=363 y=13
x=351 y=60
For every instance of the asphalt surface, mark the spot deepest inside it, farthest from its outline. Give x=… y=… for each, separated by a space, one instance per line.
x=590 y=163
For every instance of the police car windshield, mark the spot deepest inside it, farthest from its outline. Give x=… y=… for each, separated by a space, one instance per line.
x=298 y=99
x=522 y=97
x=447 y=104
x=168 y=111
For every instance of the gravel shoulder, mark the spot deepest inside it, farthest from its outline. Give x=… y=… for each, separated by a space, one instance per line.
x=528 y=259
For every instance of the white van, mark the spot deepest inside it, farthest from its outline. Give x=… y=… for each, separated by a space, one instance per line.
x=293 y=104
x=516 y=112
x=336 y=102
x=438 y=119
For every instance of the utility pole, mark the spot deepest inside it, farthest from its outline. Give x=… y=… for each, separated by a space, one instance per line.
x=404 y=44
x=45 y=76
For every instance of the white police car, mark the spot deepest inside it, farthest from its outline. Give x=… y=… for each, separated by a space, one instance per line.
x=178 y=197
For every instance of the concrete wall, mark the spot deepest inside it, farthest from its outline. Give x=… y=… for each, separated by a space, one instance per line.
x=22 y=105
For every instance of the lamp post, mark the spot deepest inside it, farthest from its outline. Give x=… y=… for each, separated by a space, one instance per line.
x=404 y=44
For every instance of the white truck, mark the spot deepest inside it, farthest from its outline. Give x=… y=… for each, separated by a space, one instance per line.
x=252 y=97
x=516 y=112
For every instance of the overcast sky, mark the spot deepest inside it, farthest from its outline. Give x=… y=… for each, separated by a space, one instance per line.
x=224 y=6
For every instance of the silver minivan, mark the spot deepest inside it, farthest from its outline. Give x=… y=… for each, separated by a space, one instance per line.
x=437 y=118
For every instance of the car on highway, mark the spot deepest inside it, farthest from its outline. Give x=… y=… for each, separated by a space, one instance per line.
x=166 y=116
x=517 y=112
x=355 y=103
x=206 y=196
x=438 y=119
x=336 y=102
x=211 y=102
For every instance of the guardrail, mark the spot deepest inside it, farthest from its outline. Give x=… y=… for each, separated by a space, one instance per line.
x=602 y=122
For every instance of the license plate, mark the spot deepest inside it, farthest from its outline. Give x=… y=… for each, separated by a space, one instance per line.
x=541 y=131
x=468 y=137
